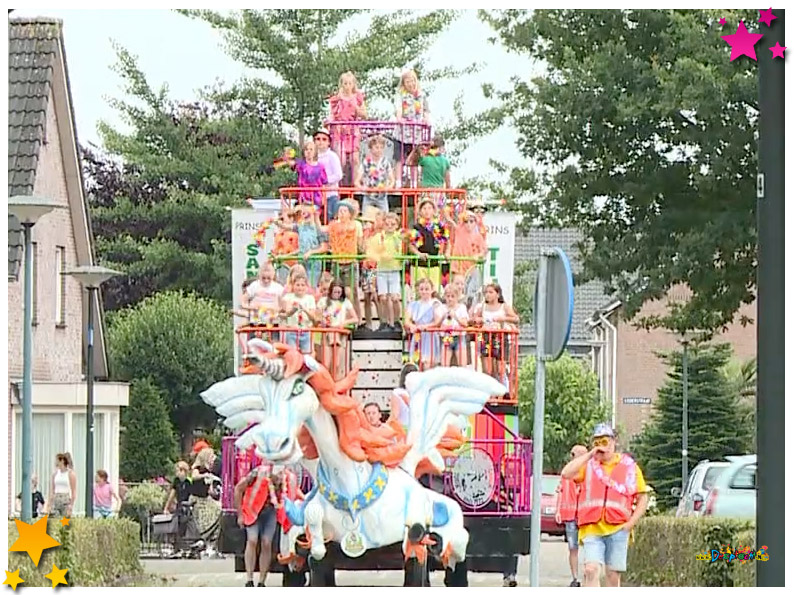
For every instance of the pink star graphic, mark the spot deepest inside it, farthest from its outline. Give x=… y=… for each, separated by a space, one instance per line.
x=777 y=51
x=742 y=42
x=722 y=21
x=766 y=17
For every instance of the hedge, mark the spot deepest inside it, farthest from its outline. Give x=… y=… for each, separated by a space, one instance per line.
x=97 y=552
x=665 y=549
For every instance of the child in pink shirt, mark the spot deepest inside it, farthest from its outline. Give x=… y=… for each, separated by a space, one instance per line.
x=347 y=106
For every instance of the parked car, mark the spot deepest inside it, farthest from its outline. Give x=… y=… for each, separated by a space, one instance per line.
x=701 y=479
x=734 y=492
x=548 y=506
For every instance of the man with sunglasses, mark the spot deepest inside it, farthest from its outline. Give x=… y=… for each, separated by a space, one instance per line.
x=612 y=497
x=567 y=495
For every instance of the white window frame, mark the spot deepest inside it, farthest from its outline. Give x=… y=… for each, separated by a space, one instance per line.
x=60 y=286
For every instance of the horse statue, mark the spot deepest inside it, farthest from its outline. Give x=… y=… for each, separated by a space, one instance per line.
x=365 y=493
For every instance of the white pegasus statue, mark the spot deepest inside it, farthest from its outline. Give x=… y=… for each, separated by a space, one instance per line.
x=365 y=493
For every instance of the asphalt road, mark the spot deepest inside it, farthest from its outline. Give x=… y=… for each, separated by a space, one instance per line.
x=220 y=573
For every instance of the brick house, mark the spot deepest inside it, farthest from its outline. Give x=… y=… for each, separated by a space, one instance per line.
x=626 y=357
x=43 y=161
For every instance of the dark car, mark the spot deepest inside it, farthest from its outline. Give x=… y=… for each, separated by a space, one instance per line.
x=548 y=506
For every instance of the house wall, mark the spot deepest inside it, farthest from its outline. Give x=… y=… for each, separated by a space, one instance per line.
x=57 y=350
x=640 y=372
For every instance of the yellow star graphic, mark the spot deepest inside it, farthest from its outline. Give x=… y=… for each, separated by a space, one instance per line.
x=369 y=494
x=332 y=497
x=12 y=579
x=33 y=539
x=57 y=576
x=322 y=489
x=354 y=504
x=64 y=522
x=380 y=483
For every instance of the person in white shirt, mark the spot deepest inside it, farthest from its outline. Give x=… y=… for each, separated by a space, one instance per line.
x=263 y=296
x=300 y=311
x=452 y=315
x=333 y=171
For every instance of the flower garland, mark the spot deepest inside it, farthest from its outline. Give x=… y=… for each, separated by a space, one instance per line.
x=627 y=489
x=259 y=236
x=439 y=230
x=374 y=173
x=329 y=317
x=412 y=100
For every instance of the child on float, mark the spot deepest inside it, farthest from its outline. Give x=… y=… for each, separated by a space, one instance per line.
x=494 y=314
x=311 y=240
x=336 y=312
x=322 y=292
x=311 y=174
x=333 y=171
x=429 y=241
x=263 y=296
x=372 y=220
x=299 y=310
x=411 y=108
x=285 y=243
x=451 y=315
x=420 y=316
x=345 y=240
x=435 y=167
x=347 y=105
x=375 y=172
x=467 y=242
x=387 y=246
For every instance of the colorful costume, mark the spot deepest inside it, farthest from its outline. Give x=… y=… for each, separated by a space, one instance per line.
x=343 y=109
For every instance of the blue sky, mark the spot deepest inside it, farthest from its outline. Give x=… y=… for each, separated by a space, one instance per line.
x=188 y=54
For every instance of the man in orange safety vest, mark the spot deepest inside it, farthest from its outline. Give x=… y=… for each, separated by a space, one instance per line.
x=567 y=494
x=612 y=498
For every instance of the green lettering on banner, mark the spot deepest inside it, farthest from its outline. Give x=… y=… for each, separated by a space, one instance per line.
x=252 y=250
x=494 y=252
x=252 y=264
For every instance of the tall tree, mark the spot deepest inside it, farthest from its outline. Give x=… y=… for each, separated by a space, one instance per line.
x=307 y=50
x=159 y=193
x=643 y=135
x=183 y=344
x=573 y=407
x=148 y=446
x=716 y=424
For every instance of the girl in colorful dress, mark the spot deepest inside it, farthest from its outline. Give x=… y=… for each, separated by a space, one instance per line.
x=285 y=243
x=312 y=241
x=300 y=311
x=336 y=312
x=421 y=315
x=346 y=106
x=467 y=242
x=410 y=105
x=311 y=174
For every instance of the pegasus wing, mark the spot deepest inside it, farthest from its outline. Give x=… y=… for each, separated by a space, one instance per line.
x=440 y=397
x=239 y=401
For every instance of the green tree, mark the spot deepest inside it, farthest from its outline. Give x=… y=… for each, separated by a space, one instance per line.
x=307 y=50
x=643 y=135
x=524 y=279
x=716 y=427
x=183 y=344
x=159 y=193
x=148 y=446
x=573 y=407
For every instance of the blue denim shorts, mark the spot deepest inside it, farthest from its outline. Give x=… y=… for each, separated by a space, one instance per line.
x=572 y=535
x=609 y=550
x=302 y=341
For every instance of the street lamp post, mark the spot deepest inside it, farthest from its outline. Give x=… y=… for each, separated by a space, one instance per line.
x=28 y=210
x=90 y=277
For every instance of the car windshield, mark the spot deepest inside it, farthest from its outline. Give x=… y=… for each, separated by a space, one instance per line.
x=710 y=478
x=550 y=483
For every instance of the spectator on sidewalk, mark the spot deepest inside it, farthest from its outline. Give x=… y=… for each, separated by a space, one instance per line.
x=567 y=495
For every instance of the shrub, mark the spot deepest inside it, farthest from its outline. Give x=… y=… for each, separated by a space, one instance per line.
x=144 y=500
x=744 y=574
x=665 y=548
x=97 y=552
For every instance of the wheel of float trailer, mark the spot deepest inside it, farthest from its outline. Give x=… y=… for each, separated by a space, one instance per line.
x=322 y=572
x=458 y=577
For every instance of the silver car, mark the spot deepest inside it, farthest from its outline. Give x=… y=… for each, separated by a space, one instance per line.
x=734 y=492
x=701 y=480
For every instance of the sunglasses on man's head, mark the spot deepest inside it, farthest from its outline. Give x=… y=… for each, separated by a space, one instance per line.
x=603 y=441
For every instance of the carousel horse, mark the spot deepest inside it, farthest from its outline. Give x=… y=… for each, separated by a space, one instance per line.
x=365 y=493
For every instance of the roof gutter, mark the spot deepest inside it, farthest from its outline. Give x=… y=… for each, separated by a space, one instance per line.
x=613 y=383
